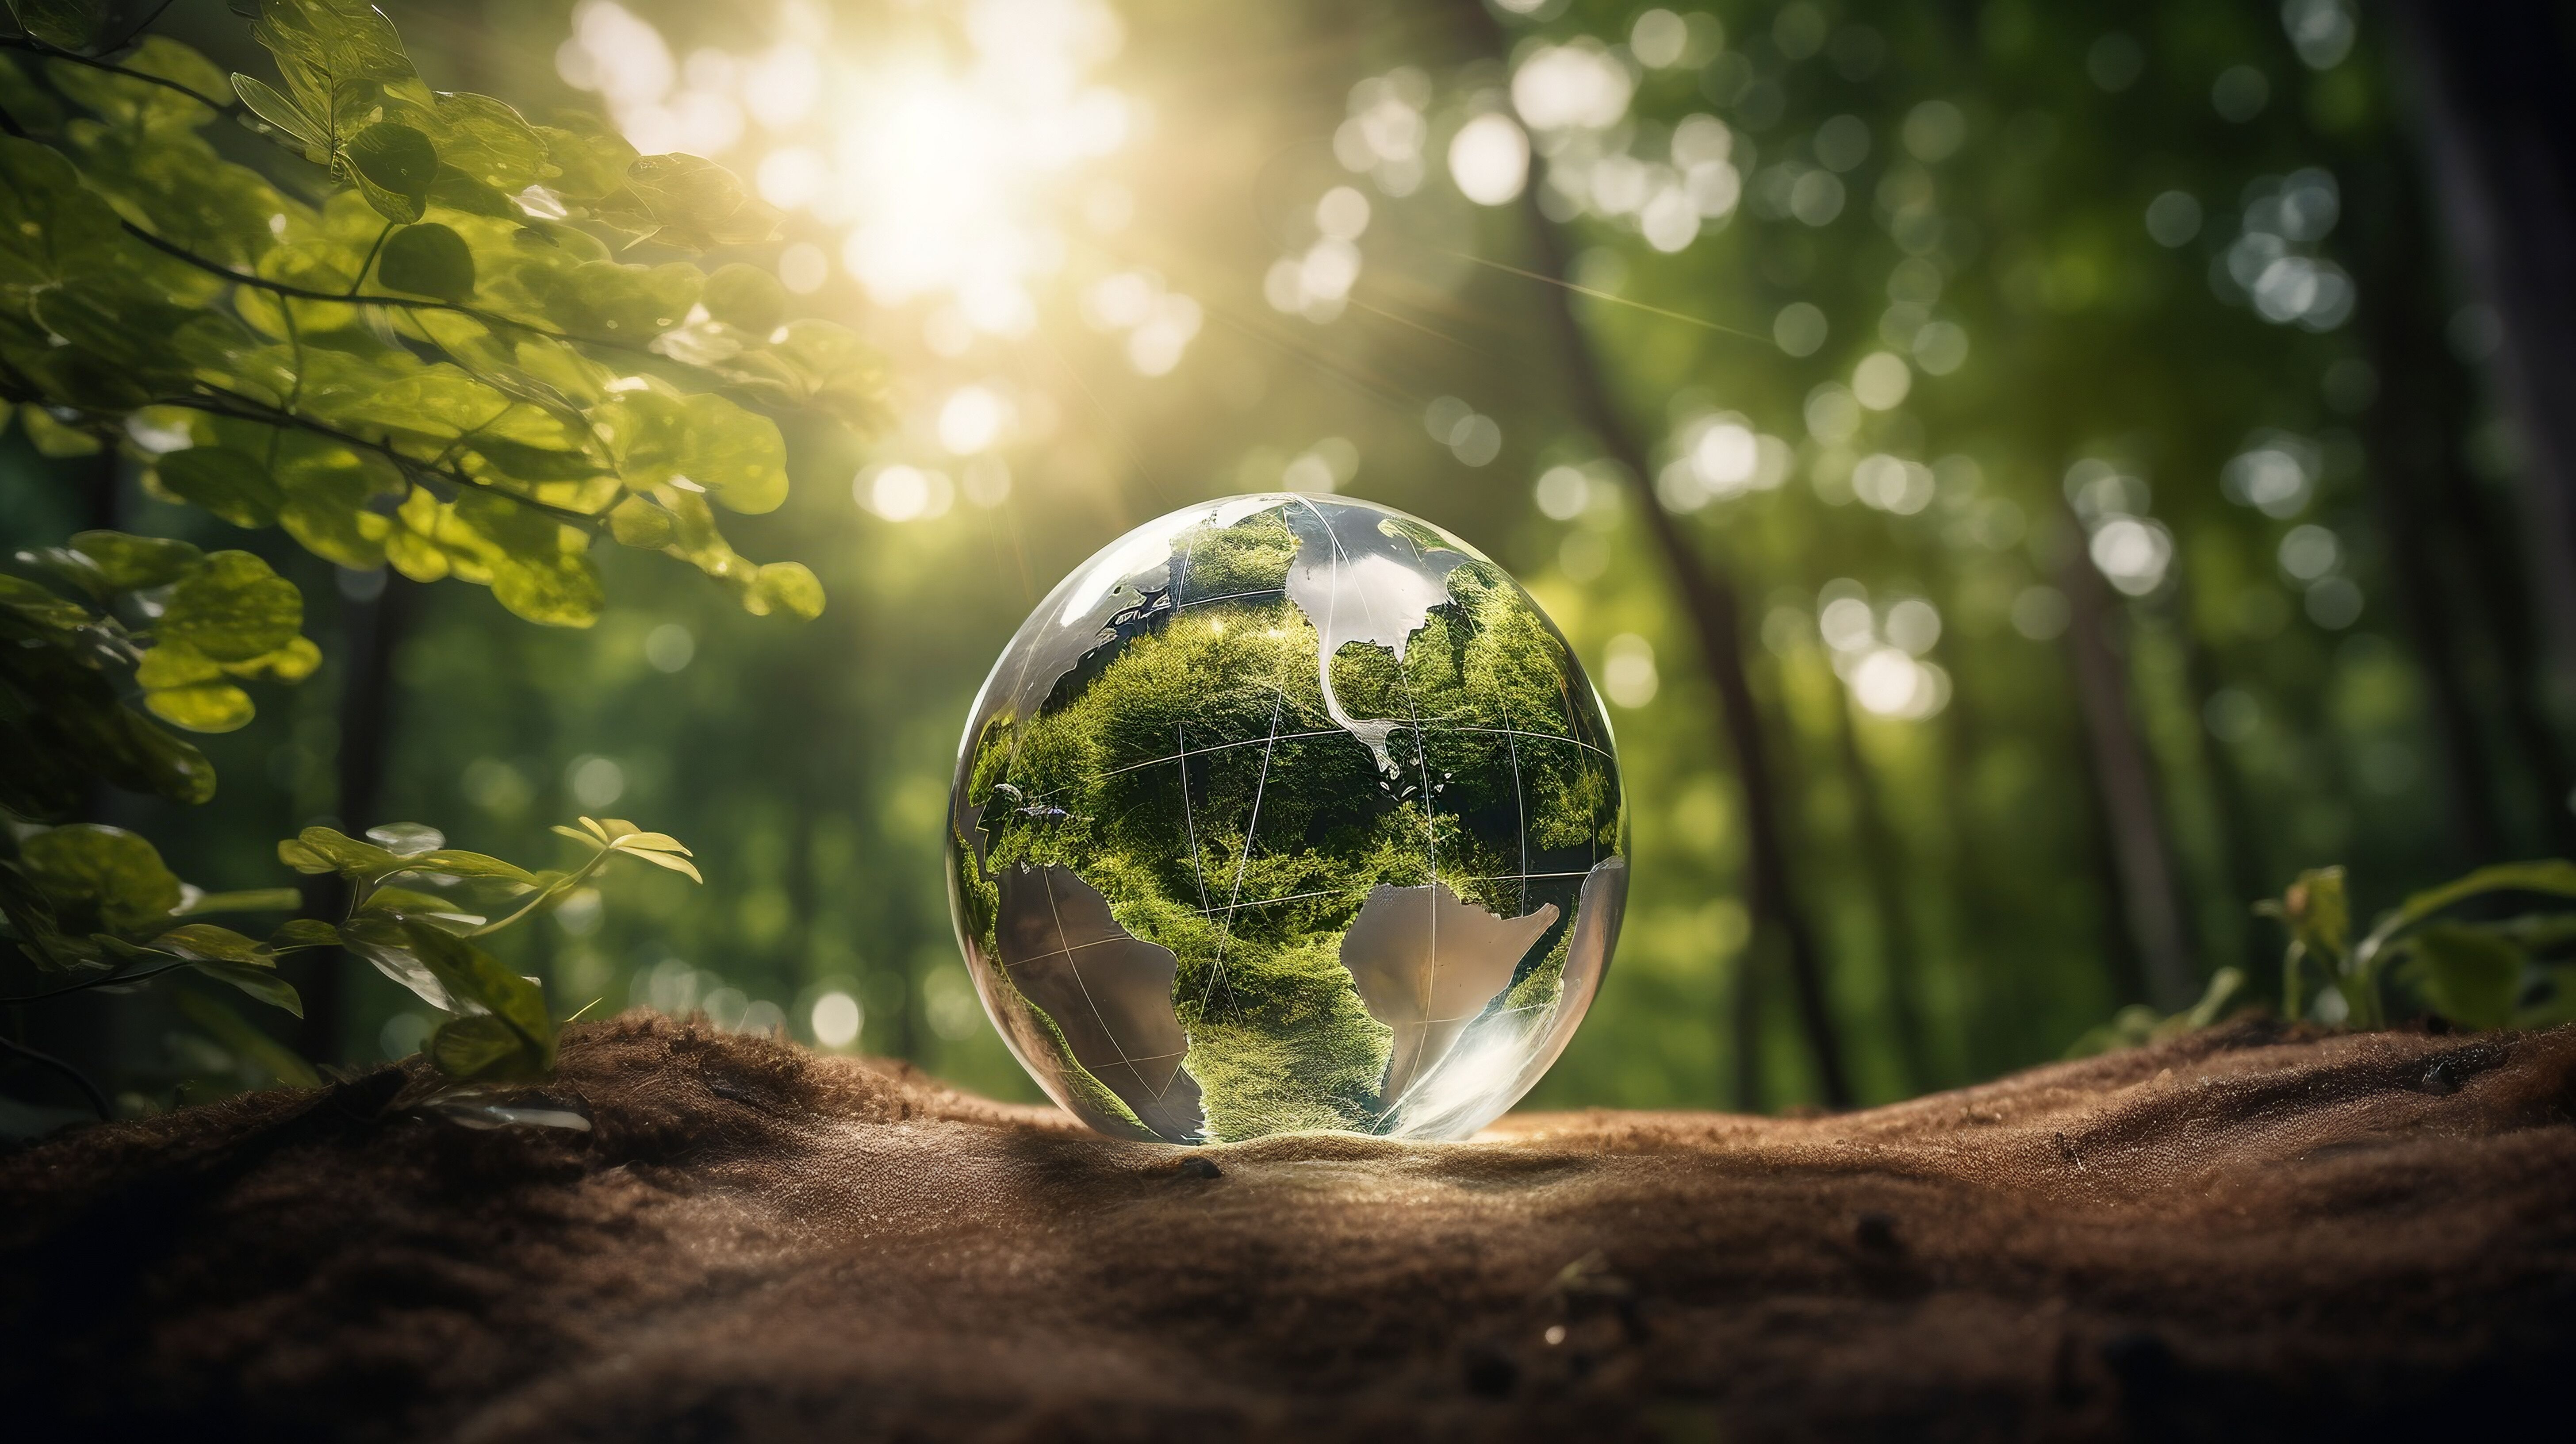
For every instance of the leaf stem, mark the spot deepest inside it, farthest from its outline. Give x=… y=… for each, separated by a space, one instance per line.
x=97 y=1100
x=107 y=980
x=565 y=884
x=370 y=262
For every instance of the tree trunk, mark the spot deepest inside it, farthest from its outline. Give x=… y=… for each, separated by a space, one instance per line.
x=1716 y=611
x=1900 y=941
x=2142 y=859
x=2410 y=452
x=2500 y=135
x=2243 y=858
x=376 y=611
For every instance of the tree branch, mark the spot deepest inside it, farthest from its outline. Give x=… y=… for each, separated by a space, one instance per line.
x=33 y=46
x=97 y=1100
x=106 y=980
x=407 y=303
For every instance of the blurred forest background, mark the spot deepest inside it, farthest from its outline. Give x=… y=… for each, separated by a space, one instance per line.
x=2098 y=455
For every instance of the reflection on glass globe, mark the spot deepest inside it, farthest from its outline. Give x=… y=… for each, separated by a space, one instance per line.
x=1285 y=813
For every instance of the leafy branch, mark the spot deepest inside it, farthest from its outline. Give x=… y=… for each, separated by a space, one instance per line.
x=450 y=362
x=412 y=915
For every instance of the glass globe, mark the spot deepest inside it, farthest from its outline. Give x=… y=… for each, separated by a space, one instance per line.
x=1287 y=813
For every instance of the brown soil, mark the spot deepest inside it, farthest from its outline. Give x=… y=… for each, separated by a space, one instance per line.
x=2231 y=1235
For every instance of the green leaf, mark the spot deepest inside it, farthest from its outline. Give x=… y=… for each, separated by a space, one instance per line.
x=784 y=587
x=233 y=608
x=736 y=455
x=133 y=563
x=637 y=522
x=101 y=879
x=471 y=864
x=489 y=141
x=702 y=443
x=318 y=850
x=211 y=707
x=232 y=486
x=53 y=438
x=484 y=1047
x=2553 y=877
x=63 y=24
x=475 y=978
x=745 y=296
x=264 y=102
x=591 y=158
x=2318 y=913
x=342 y=60
x=304 y=933
x=291 y=663
x=2470 y=975
x=428 y=260
x=394 y=165
x=680 y=865
x=248 y=1043
x=205 y=942
x=687 y=200
x=262 y=983
x=329 y=489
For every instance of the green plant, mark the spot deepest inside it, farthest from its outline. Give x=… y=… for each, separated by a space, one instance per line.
x=2476 y=972
x=2420 y=958
x=410 y=340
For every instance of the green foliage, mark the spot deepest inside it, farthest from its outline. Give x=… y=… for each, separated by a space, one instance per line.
x=2419 y=957
x=95 y=907
x=416 y=342
x=440 y=331
x=417 y=906
x=184 y=627
x=2496 y=972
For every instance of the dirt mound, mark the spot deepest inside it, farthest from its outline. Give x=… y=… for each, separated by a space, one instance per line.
x=2232 y=1235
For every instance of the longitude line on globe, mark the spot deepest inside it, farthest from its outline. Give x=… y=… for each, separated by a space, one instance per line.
x=1189 y=821
x=1251 y=829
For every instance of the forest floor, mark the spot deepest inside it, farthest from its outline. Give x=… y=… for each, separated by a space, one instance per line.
x=2235 y=1234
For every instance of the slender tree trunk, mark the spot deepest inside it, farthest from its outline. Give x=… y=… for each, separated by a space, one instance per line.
x=1900 y=941
x=1716 y=611
x=376 y=611
x=2241 y=850
x=2141 y=858
x=2500 y=132
x=2406 y=449
x=1745 y=1020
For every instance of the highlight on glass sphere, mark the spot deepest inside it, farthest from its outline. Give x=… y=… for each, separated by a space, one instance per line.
x=1287 y=813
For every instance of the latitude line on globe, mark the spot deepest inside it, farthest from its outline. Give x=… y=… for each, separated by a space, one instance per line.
x=1519 y=877
x=1307 y=736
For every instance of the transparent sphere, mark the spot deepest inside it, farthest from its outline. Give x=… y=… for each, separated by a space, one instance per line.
x=1284 y=813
